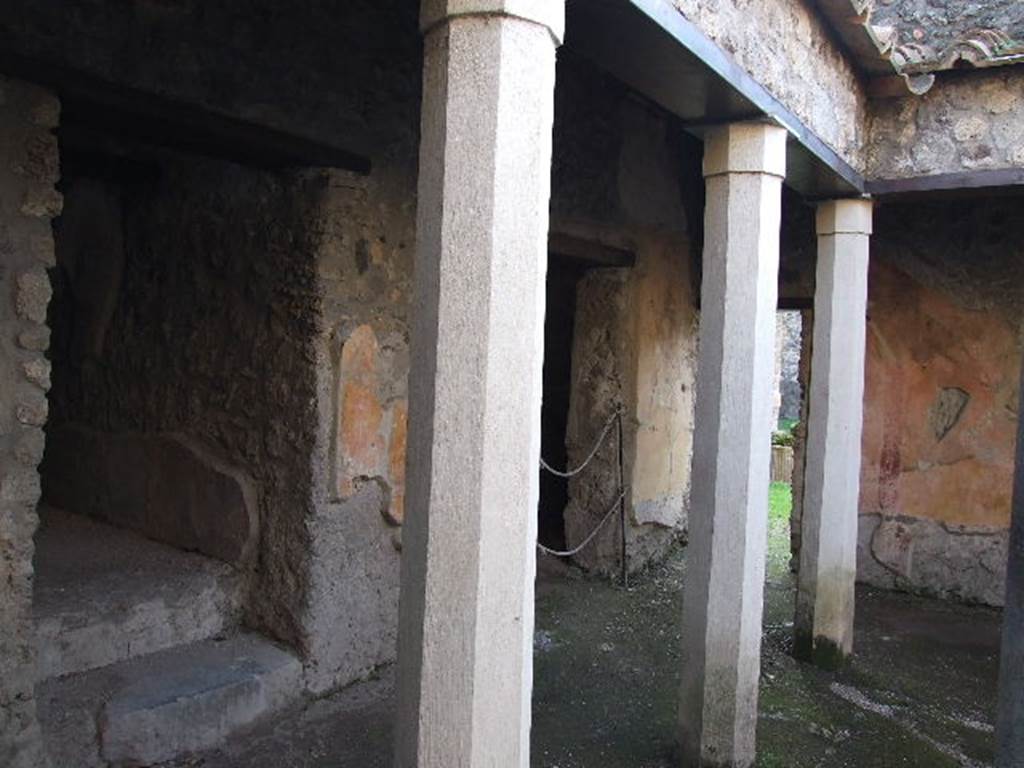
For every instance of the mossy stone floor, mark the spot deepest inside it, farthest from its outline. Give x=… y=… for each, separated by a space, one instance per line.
x=920 y=691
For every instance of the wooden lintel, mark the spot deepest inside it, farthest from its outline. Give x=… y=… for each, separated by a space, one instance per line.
x=92 y=103
x=588 y=252
x=789 y=303
x=961 y=181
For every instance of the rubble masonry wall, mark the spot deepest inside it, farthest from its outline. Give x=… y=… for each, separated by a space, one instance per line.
x=29 y=168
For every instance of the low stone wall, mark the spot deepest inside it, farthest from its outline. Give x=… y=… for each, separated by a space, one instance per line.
x=29 y=169
x=958 y=562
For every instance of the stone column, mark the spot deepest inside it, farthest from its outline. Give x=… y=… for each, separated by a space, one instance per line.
x=744 y=165
x=1010 y=717
x=828 y=553
x=466 y=615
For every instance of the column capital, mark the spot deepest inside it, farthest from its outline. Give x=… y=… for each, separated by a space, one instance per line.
x=547 y=13
x=749 y=147
x=851 y=216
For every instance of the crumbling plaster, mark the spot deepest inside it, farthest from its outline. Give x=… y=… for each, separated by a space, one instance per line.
x=635 y=328
x=358 y=462
x=336 y=595
x=941 y=398
x=29 y=168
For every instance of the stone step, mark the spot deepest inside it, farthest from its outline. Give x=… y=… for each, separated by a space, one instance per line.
x=155 y=708
x=104 y=595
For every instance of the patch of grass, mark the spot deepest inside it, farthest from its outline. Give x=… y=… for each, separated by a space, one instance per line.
x=783 y=439
x=780 y=502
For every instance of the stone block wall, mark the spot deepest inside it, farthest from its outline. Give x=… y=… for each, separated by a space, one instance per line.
x=969 y=121
x=29 y=169
x=943 y=362
x=789 y=392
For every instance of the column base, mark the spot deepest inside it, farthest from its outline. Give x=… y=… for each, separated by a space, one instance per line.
x=820 y=651
x=685 y=759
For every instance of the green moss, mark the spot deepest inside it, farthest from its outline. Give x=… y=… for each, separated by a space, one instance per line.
x=803 y=645
x=828 y=655
x=780 y=502
x=783 y=439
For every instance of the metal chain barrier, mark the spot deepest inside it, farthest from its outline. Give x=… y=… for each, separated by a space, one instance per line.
x=619 y=503
x=593 y=533
x=597 y=446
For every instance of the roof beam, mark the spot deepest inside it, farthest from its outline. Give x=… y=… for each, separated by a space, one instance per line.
x=91 y=103
x=650 y=46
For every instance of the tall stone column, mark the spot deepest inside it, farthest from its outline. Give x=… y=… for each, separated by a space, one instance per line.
x=744 y=165
x=828 y=554
x=466 y=616
x=1010 y=718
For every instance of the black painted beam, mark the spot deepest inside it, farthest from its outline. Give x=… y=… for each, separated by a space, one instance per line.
x=1006 y=180
x=91 y=103
x=588 y=252
x=650 y=46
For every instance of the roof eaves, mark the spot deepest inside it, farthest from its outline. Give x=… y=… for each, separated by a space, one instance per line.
x=873 y=48
x=979 y=48
x=890 y=64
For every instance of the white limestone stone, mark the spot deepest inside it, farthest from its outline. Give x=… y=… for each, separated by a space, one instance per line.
x=723 y=595
x=548 y=13
x=828 y=555
x=468 y=560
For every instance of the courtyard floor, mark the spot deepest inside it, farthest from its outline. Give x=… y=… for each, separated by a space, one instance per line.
x=920 y=691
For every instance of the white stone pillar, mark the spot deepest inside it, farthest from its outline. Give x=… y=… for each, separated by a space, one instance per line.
x=1010 y=717
x=744 y=165
x=466 y=616
x=828 y=554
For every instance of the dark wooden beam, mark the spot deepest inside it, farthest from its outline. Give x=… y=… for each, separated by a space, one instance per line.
x=91 y=103
x=588 y=253
x=651 y=47
x=788 y=303
x=1006 y=179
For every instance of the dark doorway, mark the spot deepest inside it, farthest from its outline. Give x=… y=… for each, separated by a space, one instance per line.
x=559 y=325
